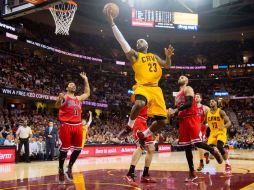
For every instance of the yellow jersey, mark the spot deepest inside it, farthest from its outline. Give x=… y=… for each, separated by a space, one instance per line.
x=214 y=121
x=147 y=69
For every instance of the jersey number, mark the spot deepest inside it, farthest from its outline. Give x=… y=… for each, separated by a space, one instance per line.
x=152 y=67
x=215 y=125
x=75 y=112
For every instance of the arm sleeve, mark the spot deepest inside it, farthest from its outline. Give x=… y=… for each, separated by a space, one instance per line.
x=89 y=121
x=188 y=104
x=119 y=37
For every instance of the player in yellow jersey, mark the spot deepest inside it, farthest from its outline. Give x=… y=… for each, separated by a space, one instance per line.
x=148 y=72
x=85 y=125
x=218 y=122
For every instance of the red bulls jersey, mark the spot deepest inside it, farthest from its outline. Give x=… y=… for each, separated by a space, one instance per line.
x=71 y=110
x=181 y=100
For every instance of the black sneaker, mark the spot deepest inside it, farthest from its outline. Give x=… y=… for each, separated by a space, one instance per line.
x=61 y=176
x=68 y=174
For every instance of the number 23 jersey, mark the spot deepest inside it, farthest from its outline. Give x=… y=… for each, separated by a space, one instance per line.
x=147 y=69
x=71 y=110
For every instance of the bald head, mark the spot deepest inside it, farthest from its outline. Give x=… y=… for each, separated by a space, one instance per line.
x=142 y=45
x=183 y=80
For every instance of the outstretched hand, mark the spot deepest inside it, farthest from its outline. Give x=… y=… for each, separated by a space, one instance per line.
x=110 y=18
x=83 y=75
x=61 y=96
x=169 y=52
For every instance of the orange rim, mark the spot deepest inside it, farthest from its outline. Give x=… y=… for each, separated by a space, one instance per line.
x=69 y=2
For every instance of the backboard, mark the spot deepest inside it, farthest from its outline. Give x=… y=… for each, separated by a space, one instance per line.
x=16 y=8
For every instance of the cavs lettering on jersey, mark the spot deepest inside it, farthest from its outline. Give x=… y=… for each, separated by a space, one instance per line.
x=147 y=69
x=215 y=121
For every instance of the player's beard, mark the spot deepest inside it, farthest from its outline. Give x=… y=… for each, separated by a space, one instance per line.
x=181 y=83
x=142 y=49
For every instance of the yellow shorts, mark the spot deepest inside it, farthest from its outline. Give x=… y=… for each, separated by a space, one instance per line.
x=155 y=99
x=84 y=136
x=217 y=136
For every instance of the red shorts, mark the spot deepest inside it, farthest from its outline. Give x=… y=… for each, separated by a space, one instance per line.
x=71 y=136
x=189 y=131
x=140 y=124
x=203 y=131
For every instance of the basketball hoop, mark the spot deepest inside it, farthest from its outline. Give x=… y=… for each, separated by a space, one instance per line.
x=63 y=15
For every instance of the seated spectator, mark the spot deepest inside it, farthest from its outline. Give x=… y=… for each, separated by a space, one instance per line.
x=9 y=141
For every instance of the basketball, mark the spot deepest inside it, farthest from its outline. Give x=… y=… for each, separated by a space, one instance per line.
x=111 y=8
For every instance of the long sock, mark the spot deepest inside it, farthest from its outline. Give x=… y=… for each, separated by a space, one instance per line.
x=62 y=157
x=189 y=156
x=205 y=147
x=74 y=157
x=131 y=170
x=145 y=172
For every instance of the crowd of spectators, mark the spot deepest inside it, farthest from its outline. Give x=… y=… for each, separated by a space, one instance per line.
x=49 y=75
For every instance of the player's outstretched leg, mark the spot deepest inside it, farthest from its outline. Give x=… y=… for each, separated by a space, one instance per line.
x=189 y=156
x=146 y=178
x=62 y=157
x=212 y=150
x=130 y=177
x=73 y=158
x=225 y=155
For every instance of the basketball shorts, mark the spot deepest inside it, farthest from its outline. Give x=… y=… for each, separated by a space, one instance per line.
x=203 y=131
x=155 y=99
x=217 y=136
x=141 y=125
x=71 y=136
x=189 y=130
x=84 y=135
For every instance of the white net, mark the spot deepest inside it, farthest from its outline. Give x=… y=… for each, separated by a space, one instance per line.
x=63 y=15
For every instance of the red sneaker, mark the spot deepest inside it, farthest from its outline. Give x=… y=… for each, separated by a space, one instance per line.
x=141 y=140
x=61 y=176
x=200 y=167
x=130 y=181
x=217 y=156
x=140 y=135
x=206 y=155
x=147 y=179
x=228 y=169
x=192 y=177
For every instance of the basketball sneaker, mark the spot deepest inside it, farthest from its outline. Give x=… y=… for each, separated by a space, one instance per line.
x=130 y=180
x=217 y=156
x=206 y=155
x=192 y=177
x=147 y=179
x=228 y=169
x=61 y=176
x=68 y=174
x=201 y=166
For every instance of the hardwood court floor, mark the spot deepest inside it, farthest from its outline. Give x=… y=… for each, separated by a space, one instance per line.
x=169 y=169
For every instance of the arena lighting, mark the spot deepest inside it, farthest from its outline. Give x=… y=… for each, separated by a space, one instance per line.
x=130 y=92
x=12 y=36
x=221 y=94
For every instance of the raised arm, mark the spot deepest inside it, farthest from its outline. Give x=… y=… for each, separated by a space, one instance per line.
x=227 y=121
x=130 y=53
x=169 y=52
x=90 y=119
x=86 y=93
